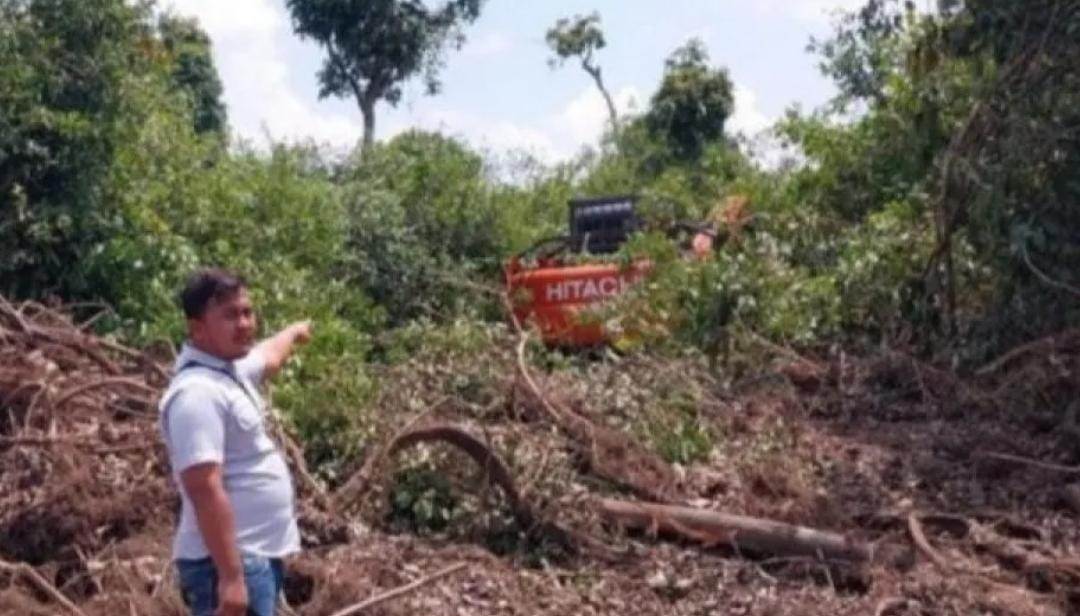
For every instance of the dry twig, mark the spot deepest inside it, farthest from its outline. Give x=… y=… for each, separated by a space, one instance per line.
x=889 y=604
x=30 y=573
x=1049 y=466
x=397 y=592
x=1042 y=345
x=105 y=382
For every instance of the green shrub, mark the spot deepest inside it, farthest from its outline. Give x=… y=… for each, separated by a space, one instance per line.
x=422 y=223
x=676 y=431
x=421 y=501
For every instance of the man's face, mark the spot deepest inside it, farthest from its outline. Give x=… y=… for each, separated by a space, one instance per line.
x=226 y=328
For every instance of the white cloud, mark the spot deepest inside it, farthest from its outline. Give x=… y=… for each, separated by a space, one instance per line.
x=748 y=117
x=580 y=122
x=583 y=120
x=247 y=40
x=489 y=45
x=233 y=18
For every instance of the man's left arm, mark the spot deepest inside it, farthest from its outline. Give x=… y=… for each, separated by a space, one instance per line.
x=275 y=350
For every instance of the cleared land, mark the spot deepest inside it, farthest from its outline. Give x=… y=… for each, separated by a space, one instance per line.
x=960 y=488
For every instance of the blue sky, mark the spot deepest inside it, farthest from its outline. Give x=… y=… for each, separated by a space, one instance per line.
x=498 y=91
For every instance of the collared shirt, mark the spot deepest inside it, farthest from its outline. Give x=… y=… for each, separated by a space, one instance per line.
x=212 y=412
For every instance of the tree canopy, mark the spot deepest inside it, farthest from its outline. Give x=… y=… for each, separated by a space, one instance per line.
x=581 y=37
x=64 y=65
x=194 y=72
x=373 y=46
x=693 y=103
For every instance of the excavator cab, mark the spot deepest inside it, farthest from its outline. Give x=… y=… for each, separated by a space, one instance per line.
x=602 y=225
x=558 y=284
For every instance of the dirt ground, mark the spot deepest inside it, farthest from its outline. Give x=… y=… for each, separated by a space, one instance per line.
x=880 y=448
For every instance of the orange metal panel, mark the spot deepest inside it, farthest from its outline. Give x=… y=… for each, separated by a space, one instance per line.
x=557 y=298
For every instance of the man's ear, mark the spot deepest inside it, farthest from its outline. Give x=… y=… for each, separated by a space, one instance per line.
x=195 y=329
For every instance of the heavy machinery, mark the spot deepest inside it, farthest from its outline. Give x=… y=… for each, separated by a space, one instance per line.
x=559 y=283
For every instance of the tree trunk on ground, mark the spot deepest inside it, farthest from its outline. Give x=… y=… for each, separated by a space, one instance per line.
x=721 y=529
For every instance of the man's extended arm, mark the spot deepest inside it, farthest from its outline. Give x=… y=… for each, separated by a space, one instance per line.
x=203 y=485
x=276 y=349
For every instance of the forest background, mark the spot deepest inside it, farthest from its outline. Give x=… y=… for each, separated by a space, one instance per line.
x=932 y=207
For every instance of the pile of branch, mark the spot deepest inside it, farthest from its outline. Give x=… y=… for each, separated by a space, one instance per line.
x=81 y=467
x=86 y=506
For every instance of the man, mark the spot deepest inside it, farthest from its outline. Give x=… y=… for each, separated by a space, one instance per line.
x=237 y=516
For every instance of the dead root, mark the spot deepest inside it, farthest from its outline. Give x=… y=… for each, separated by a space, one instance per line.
x=494 y=470
x=919 y=538
x=399 y=591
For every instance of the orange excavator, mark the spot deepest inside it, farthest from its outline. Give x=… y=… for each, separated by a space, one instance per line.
x=559 y=283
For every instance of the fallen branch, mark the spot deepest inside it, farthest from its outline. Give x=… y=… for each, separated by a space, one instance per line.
x=1042 y=345
x=78 y=342
x=1049 y=466
x=139 y=357
x=919 y=538
x=741 y=532
x=494 y=468
x=607 y=451
x=357 y=485
x=889 y=604
x=104 y=382
x=786 y=351
x=552 y=410
x=397 y=592
x=30 y=573
x=1047 y=280
x=45 y=441
x=294 y=453
x=107 y=451
x=495 y=471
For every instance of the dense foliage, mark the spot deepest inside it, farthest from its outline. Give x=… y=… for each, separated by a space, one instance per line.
x=692 y=104
x=64 y=70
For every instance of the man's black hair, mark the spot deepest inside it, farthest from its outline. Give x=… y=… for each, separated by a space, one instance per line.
x=206 y=285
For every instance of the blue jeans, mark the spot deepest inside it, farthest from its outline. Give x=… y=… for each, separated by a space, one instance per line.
x=198 y=584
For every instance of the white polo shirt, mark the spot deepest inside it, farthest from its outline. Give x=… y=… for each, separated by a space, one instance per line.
x=212 y=412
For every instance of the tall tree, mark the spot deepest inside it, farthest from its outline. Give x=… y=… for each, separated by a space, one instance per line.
x=63 y=66
x=970 y=115
x=373 y=46
x=581 y=37
x=862 y=54
x=693 y=103
x=194 y=71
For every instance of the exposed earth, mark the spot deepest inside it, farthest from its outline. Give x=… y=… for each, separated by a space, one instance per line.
x=959 y=485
